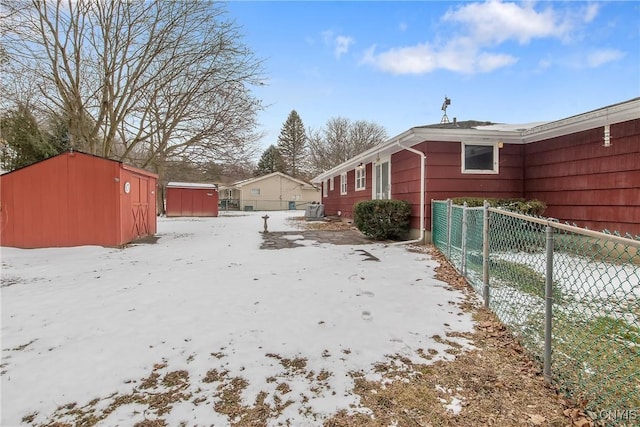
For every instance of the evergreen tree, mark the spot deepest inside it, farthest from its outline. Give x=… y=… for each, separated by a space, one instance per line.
x=271 y=161
x=24 y=142
x=292 y=144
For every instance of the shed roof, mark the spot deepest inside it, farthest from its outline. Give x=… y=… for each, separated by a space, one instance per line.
x=242 y=183
x=68 y=152
x=190 y=185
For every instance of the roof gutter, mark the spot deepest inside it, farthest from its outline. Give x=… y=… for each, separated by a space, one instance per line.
x=422 y=190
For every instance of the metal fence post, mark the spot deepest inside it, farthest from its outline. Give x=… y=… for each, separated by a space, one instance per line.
x=485 y=254
x=463 y=243
x=548 y=308
x=449 y=213
x=433 y=240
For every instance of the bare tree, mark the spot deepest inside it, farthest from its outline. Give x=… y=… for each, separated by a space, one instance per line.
x=143 y=81
x=340 y=140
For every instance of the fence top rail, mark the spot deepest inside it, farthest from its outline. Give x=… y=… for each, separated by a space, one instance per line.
x=566 y=227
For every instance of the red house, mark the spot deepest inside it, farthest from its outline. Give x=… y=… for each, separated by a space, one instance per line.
x=192 y=199
x=586 y=168
x=76 y=199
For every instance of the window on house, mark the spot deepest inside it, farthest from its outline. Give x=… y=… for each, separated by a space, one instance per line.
x=479 y=158
x=343 y=183
x=331 y=184
x=361 y=177
x=325 y=188
x=382 y=180
x=255 y=191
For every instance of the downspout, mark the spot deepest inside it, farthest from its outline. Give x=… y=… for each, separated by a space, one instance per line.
x=422 y=167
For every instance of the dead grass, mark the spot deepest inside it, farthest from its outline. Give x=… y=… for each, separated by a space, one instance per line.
x=329 y=223
x=496 y=383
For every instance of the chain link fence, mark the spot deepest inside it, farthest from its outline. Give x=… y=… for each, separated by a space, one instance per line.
x=570 y=295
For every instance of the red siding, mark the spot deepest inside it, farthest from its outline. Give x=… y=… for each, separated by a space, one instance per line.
x=405 y=181
x=580 y=180
x=584 y=182
x=336 y=202
x=138 y=206
x=192 y=201
x=444 y=177
x=68 y=200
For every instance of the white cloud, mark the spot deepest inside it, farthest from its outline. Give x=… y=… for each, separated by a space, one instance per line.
x=459 y=56
x=342 y=44
x=481 y=29
x=494 y=22
x=603 y=56
x=486 y=62
x=339 y=43
x=591 y=12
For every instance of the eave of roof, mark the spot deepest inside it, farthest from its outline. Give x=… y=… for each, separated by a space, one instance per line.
x=244 y=182
x=190 y=185
x=508 y=134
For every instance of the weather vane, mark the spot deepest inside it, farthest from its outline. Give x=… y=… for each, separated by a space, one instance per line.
x=445 y=104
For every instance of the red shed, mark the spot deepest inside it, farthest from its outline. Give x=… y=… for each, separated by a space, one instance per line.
x=192 y=199
x=76 y=199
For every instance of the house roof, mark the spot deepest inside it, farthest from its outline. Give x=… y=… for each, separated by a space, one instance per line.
x=484 y=132
x=190 y=185
x=242 y=183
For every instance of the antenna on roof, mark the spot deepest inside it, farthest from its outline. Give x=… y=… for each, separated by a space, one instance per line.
x=445 y=104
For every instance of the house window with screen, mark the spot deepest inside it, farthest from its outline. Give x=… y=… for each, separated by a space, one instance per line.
x=331 y=184
x=361 y=176
x=479 y=158
x=255 y=191
x=325 y=188
x=343 y=183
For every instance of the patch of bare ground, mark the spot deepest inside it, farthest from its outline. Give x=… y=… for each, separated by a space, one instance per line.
x=495 y=384
x=329 y=223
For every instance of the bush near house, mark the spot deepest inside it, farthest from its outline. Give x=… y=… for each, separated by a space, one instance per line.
x=383 y=219
x=526 y=207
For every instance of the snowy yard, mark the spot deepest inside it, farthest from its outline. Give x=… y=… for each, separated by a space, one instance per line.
x=208 y=321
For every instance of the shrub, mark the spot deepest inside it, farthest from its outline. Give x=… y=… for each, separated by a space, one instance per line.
x=526 y=207
x=383 y=219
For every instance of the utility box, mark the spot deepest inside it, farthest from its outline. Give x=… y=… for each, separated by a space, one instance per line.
x=314 y=212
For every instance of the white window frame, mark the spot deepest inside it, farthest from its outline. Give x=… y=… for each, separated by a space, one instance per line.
x=325 y=188
x=343 y=184
x=361 y=178
x=496 y=162
x=374 y=178
x=255 y=191
x=331 y=187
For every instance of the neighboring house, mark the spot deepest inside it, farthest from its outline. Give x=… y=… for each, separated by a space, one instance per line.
x=75 y=199
x=275 y=191
x=191 y=199
x=586 y=168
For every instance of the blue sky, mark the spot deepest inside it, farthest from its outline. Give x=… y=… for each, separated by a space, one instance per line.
x=394 y=62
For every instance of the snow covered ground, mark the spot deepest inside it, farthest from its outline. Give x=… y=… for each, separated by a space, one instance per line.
x=85 y=325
